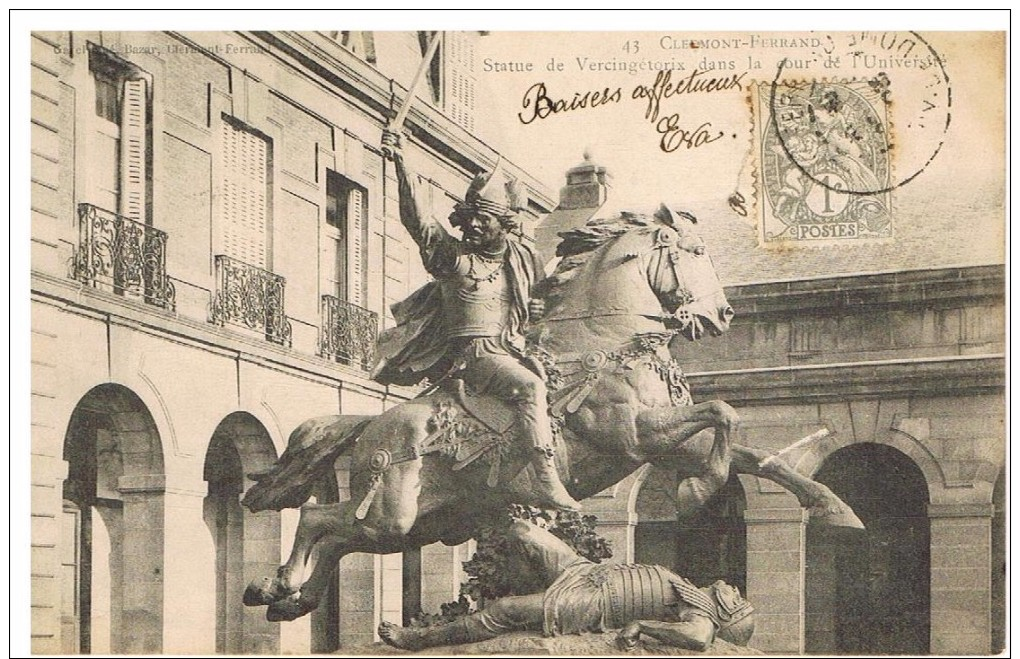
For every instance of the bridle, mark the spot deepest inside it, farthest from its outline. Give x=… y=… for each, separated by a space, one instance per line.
x=670 y=240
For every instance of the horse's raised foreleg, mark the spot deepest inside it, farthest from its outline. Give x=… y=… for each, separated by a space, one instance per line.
x=665 y=430
x=823 y=506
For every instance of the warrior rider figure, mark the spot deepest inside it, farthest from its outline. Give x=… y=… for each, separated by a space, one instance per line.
x=472 y=318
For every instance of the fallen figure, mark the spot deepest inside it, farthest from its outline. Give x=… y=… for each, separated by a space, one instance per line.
x=582 y=596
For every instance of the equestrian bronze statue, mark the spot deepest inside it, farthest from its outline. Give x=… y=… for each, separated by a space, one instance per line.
x=436 y=467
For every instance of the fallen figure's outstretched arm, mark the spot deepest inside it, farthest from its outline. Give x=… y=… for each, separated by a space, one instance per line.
x=696 y=632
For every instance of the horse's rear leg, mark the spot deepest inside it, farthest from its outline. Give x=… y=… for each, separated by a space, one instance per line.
x=325 y=560
x=317 y=521
x=327 y=555
x=336 y=530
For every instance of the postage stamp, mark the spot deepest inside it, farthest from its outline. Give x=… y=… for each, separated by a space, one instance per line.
x=823 y=165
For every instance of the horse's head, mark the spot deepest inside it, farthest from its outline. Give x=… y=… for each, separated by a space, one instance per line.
x=683 y=277
x=639 y=265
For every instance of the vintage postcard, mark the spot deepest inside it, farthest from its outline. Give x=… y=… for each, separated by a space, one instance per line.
x=561 y=342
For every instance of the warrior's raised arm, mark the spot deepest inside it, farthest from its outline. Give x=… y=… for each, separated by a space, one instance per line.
x=430 y=236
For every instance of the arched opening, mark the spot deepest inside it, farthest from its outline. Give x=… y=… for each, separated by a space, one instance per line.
x=709 y=546
x=247 y=544
x=112 y=527
x=999 y=564
x=869 y=592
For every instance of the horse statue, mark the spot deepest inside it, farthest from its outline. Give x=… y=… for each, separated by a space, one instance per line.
x=436 y=467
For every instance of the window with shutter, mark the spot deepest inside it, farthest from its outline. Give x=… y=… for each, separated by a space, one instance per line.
x=244 y=199
x=117 y=136
x=361 y=44
x=335 y=242
x=434 y=75
x=346 y=204
x=348 y=330
x=118 y=249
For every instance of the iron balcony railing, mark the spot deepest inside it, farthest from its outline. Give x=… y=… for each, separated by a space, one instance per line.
x=348 y=333
x=121 y=255
x=250 y=297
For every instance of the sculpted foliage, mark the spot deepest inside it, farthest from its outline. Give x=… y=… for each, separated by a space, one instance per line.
x=495 y=570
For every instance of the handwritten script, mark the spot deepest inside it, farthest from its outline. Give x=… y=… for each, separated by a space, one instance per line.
x=537 y=103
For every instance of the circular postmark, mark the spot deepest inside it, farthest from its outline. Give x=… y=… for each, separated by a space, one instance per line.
x=837 y=130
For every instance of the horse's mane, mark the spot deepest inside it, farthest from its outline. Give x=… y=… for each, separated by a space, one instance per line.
x=577 y=244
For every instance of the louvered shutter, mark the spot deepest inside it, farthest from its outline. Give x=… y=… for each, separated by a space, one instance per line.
x=355 y=244
x=244 y=198
x=132 y=150
x=459 y=78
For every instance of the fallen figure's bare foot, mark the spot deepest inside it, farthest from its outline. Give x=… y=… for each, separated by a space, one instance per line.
x=398 y=637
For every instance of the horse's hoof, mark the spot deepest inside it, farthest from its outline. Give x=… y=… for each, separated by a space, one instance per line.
x=839 y=515
x=264 y=591
x=259 y=592
x=830 y=510
x=289 y=608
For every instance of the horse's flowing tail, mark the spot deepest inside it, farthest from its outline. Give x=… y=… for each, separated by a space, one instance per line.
x=311 y=451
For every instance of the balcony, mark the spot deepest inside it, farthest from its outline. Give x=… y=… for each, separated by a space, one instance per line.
x=122 y=256
x=250 y=297
x=348 y=332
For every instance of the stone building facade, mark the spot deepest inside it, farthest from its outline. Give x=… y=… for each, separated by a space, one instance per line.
x=907 y=367
x=215 y=244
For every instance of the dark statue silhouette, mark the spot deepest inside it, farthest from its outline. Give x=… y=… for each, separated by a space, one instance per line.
x=436 y=467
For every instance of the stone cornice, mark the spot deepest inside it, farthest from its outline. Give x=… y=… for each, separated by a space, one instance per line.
x=951 y=375
x=936 y=287
x=960 y=510
x=818 y=383
x=89 y=302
